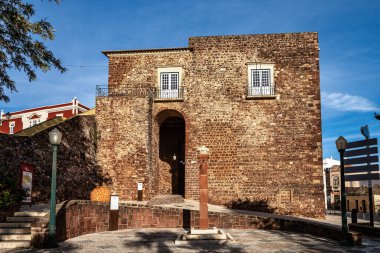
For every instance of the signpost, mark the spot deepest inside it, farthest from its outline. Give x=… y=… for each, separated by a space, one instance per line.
x=114 y=213
x=361 y=163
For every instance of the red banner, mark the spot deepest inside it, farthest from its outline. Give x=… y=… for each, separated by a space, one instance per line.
x=26 y=181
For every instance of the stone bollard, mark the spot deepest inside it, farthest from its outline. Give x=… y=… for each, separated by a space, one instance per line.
x=203 y=156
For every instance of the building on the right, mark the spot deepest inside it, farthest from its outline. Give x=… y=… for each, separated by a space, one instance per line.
x=253 y=100
x=356 y=191
x=357 y=198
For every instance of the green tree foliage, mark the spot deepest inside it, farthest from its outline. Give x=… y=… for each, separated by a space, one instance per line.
x=10 y=189
x=21 y=44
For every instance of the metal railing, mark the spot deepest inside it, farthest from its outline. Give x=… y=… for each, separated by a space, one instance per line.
x=105 y=91
x=261 y=91
x=168 y=94
x=160 y=94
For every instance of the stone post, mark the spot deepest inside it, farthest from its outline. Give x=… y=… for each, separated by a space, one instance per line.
x=203 y=156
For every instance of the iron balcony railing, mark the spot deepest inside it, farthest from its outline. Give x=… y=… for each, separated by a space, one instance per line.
x=159 y=94
x=105 y=91
x=168 y=94
x=101 y=91
x=261 y=91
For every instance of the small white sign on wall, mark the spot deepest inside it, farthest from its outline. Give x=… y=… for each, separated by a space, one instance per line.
x=139 y=186
x=114 y=202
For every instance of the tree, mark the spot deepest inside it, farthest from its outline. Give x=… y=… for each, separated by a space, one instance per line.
x=21 y=45
x=11 y=192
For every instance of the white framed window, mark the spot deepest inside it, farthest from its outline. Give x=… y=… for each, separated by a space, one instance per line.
x=34 y=122
x=169 y=86
x=59 y=115
x=169 y=81
x=12 y=127
x=261 y=79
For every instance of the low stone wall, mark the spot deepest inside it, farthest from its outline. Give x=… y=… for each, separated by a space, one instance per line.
x=365 y=229
x=84 y=217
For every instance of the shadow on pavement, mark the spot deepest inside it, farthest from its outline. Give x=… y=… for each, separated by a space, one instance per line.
x=163 y=241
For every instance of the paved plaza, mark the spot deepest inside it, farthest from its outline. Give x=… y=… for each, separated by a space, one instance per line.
x=162 y=240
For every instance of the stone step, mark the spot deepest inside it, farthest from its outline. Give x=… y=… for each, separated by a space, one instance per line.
x=15 y=237
x=15 y=225
x=13 y=230
x=14 y=244
x=21 y=219
x=30 y=214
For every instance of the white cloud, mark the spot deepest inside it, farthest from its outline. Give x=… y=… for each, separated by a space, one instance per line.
x=347 y=102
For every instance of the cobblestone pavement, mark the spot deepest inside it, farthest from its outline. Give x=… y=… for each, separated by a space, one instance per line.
x=162 y=240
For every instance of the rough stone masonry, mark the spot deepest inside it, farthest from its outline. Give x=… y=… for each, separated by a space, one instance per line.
x=265 y=150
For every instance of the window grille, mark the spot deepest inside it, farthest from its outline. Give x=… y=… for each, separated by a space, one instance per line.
x=261 y=83
x=169 y=87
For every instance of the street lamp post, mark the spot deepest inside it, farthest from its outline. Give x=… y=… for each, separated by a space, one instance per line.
x=55 y=137
x=341 y=145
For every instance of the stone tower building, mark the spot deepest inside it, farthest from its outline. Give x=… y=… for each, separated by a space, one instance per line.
x=253 y=100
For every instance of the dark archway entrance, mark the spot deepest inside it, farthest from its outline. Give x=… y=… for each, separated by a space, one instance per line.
x=172 y=143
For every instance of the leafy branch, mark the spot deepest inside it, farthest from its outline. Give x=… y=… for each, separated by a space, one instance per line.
x=21 y=44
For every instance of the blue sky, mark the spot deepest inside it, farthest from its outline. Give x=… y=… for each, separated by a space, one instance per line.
x=349 y=38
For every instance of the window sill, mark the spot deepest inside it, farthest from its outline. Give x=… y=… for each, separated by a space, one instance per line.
x=261 y=97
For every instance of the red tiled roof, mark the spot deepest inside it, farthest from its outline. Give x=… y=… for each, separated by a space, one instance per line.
x=47 y=107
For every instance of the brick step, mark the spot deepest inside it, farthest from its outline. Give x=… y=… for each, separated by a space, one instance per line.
x=15 y=230
x=21 y=219
x=15 y=225
x=15 y=237
x=30 y=214
x=14 y=244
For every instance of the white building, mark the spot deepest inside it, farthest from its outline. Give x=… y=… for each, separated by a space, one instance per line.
x=327 y=164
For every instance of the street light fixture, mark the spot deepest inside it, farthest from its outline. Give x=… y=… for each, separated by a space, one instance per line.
x=341 y=145
x=8 y=115
x=55 y=137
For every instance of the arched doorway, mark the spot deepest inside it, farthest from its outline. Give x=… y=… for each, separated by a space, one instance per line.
x=172 y=152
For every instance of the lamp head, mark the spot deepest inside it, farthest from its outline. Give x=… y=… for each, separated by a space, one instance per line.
x=55 y=137
x=341 y=143
x=8 y=115
x=174 y=157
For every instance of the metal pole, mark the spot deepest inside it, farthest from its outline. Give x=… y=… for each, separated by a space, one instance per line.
x=345 y=237
x=365 y=131
x=52 y=239
x=370 y=196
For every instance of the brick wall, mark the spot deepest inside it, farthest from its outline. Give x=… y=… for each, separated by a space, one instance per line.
x=84 y=217
x=77 y=170
x=261 y=150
